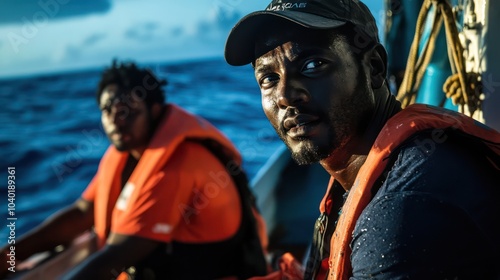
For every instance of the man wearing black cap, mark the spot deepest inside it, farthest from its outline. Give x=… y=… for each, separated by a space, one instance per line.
x=417 y=188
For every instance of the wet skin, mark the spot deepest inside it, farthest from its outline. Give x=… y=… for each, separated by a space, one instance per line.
x=316 y=95
x=126 y=120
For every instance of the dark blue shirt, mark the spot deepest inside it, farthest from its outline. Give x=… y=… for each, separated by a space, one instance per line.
x=435 y=215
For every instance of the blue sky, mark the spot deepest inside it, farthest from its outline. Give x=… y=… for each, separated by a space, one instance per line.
x=42 y=36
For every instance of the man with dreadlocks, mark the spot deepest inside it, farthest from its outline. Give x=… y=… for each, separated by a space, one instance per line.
x=168 y=199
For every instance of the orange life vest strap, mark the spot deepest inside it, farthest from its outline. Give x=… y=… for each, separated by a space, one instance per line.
x=413 y=119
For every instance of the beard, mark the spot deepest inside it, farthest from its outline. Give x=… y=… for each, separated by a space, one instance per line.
x=120 y=146
x=309 y=152
x=309 y=155
x=346 y=120
x=118 y=143
x=136 y=140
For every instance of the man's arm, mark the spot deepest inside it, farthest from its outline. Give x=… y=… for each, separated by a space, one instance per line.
x=59 y=229
x=120 y=252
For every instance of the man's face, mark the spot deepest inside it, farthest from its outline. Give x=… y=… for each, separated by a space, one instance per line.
x=125 y=119
x=314 y=94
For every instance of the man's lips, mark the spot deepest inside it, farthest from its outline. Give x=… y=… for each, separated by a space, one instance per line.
x=299 y=125
x=298 y=120
x=120 y=136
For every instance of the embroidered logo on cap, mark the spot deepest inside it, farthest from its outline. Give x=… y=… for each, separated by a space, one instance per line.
x=285 y=6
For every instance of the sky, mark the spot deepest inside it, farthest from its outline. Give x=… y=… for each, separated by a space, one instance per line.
x=44 y=36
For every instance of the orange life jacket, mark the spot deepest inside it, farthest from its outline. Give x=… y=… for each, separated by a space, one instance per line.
x=413 y=119
x=177 y=127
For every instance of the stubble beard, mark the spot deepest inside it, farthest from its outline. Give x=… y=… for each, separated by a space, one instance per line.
x=120 y=146
x=126 y=147
x=308 y=153
x=341 y=131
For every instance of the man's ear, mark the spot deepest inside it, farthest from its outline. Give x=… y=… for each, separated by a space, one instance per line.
x=378 y=65
x=156 y=110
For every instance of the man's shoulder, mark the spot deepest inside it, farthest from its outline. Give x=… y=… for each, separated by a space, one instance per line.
x=189 y=150
x=192 y=156
x=453 y=164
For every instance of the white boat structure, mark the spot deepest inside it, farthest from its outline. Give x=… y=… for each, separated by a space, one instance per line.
x=288 y=196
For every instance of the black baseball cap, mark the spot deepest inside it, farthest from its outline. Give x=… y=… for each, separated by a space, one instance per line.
x=314 y=14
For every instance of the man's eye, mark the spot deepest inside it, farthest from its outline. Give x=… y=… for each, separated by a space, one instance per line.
x=268 y=80
x=132 y=114
x=312 y=66
x=106 y=109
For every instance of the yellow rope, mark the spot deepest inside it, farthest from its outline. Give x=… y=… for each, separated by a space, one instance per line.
x=406 y=95
x=461 y=87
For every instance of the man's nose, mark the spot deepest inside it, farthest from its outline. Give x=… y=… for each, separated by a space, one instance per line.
x=119 y=115
x=291 y=93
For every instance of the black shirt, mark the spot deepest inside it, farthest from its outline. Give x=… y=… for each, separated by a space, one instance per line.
x=436 y=215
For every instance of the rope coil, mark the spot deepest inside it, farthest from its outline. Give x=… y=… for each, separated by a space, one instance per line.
x=462 y=88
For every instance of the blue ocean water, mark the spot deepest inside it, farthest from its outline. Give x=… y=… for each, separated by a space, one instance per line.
x=51 y=130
